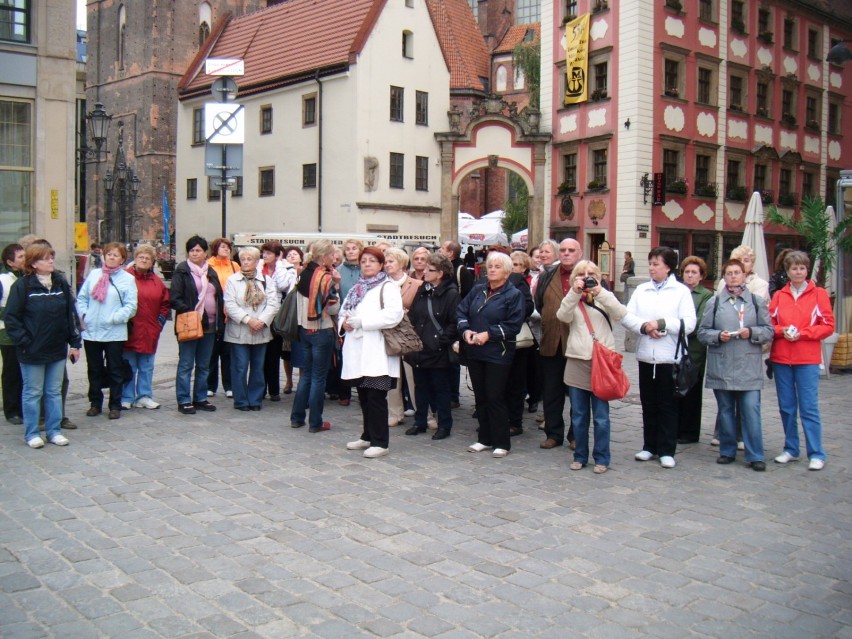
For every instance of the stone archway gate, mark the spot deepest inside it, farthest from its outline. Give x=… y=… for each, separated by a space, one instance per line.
x=496 y=136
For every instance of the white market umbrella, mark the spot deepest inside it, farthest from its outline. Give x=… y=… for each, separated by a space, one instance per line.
x=753 y=235
x=482 y=232
x=831 y=283
x=521 y=237
x=494 y=215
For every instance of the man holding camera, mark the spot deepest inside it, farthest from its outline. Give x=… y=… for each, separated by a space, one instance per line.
x=552 y=285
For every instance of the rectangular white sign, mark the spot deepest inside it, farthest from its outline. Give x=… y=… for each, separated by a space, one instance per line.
x=224 y=66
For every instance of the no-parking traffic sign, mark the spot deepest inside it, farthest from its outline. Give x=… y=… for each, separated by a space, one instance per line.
x=224 y=123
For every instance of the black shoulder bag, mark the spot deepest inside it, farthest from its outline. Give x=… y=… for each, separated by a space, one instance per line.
x=684 y=371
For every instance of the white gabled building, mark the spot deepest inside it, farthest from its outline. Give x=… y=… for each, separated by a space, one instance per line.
x=341 y=103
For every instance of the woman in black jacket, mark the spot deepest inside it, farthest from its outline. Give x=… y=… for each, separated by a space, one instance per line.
x=196 y=287
x=41 y=321
x=433 y=314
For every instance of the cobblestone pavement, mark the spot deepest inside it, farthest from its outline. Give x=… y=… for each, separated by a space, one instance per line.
x=235 y=525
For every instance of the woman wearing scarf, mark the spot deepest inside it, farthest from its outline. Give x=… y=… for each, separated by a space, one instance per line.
x=316 y=303
x=221 y=262
x=151 y=316
x=734 y=327
x=602 y=309
x=283 y=276
x=373 y=303
x=251 y=301
x=106 y=302
x=195 y=287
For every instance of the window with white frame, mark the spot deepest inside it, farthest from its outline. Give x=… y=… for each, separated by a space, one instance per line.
x=266 y=181
x=569 y=171
x=309 y=109
x=527 y=11
x=198 y=126
x=15 y=20
x=421 y=177
x=600 y=167
x=737 y=95
x=397 y=170
x=397 y=104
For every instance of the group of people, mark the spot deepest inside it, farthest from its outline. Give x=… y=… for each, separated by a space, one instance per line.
x=525 y=331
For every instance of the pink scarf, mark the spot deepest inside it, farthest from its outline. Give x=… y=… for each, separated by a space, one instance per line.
x=99 y=292
x=200 y=274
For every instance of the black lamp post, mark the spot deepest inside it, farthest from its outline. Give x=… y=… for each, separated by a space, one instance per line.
x=122 y=186
x=97 y=126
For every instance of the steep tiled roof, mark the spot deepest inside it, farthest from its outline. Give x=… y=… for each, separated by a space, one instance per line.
x=515 y=34
x=287 y=41
x=461 y=42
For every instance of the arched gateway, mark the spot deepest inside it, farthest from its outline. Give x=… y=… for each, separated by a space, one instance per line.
x=496 y=136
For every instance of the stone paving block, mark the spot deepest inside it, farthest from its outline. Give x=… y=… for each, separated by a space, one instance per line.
x=17 y=582
x=118 y=625
x=382 y=627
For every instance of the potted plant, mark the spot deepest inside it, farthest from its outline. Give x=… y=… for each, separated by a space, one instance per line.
x=598 y=94
x=762 y=112
x=674 y=4
x=672 y=92
x=788 y=119
x=813 y=125
x=597 y=185
x=565 y=188
x=736 y=194
x=765 y=36
x=786 y=199
x=677 y=186
x=705 y=190
x=738 y=25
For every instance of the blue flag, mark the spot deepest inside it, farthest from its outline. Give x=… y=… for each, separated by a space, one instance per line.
x=166 y=234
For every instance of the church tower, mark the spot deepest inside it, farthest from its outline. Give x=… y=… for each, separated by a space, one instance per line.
x=137 y=53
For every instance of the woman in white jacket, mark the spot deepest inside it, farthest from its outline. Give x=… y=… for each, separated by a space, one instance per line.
x=372 y=304
x=251 y=302
x=602 y=309
x=655 y=311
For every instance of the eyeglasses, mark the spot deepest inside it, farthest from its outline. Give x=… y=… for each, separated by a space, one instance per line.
x=431 y=270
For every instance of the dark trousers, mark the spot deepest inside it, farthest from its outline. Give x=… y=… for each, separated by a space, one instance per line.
x=516 y=387
x=432 y=388
x=221 y=353
x=105 y=363
x=533 y=376
x=455 y=382
x=374 y=408
x=272 y=366
x=553 y=393
x=489 y=391
x=689 y=411
x=659 y=409
x=13 y=383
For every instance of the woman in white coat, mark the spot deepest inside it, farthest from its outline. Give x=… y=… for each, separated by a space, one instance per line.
x=371 y=305
x=251 y=301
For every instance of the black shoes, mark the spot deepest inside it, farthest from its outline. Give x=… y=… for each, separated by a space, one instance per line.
x=186 y=409
x=759 y=466
x=205 y=405
x=684 y=440
x=724 y=460
x=415 y=430
x=514 y=431
x=532 y=407
x=441 y=433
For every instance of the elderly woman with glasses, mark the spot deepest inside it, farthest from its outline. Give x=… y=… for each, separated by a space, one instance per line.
x=152 y=313
x=489 y=320
x=433 y=315
x=251 y=301
x=734 y=328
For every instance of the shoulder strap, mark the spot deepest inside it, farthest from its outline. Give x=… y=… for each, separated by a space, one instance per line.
x=120 y=298
x=681 y=341
x=602 y=312
x=431 y=316
x=588 y=321
x=458 y=274
x=382 y=296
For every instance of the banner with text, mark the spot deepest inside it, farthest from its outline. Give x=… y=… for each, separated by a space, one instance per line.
x=577 y=60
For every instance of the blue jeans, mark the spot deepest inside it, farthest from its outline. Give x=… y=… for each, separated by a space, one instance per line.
x=310 y=395
x=585 y=406
x=247 y=380
x=140 y=386
x=746 y=404
x=43 y=380
x=798 y=387
x=432 y=388
x=194 y=354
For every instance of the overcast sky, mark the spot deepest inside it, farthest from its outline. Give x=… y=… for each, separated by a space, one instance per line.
x=81 y=14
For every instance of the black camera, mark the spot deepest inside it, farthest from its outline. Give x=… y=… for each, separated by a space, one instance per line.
x=589 y=282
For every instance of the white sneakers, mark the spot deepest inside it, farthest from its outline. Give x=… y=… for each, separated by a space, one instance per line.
x=409 y=412
x=667 y=462
x=375 y=451
x=644 y=455
x=477 y=448
x=126 y=405
x=816 y=464
x=146 y=402
x=785 y=458
x=35 y=442
x=211 y=393
x=229 y=393
x=358 y=444
x=714 y=441
x=59 y=440
x=500 y=452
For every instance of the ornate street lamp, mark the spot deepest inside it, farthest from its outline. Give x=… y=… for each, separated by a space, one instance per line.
x=122 y=186
x=97 y=125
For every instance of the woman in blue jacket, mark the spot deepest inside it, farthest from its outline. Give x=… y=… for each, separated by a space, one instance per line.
x=106 y=302
x=41 y=321
x=490 y=318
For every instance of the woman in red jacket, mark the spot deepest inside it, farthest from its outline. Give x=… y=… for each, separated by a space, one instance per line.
x=801 y=316
x=144 y=331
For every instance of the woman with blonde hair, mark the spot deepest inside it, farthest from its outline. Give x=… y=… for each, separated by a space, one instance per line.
x=316 y=303
x=396 y=263
x=106 y=302
x=753 y=282
x=583 y=305
x=152 y=313
x=251 y=301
